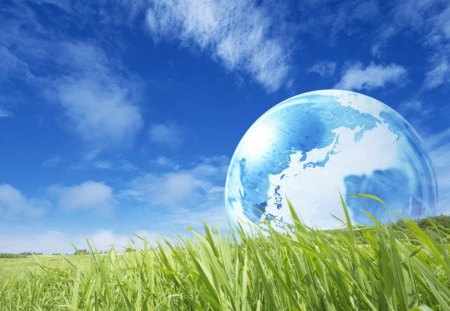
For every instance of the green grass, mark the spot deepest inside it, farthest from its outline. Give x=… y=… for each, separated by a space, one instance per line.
x=362 y=268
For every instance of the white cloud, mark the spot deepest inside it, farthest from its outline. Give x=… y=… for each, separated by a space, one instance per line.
x=14 y=204
x=323 y=68
x=170 y=135
x=87 y=196
x=104 y=239
x=99 y=110
x=186 y=195
x=236 y=33
x=356 y=77
x=99 y=103
x=170 y=189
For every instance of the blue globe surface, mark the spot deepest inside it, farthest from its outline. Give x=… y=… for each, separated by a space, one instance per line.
x=313 y=146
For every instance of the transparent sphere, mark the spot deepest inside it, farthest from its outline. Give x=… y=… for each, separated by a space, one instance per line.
x=313 y=147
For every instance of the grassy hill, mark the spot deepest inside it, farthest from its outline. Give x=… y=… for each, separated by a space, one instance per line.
x=400 y=267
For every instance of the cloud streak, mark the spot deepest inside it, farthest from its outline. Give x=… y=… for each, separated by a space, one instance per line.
x=429 y=20
x=87 y=196
x=323 y=68
x=185 y=196
x=170 y=135
x=94 y=90
x=4 y=113
x=99 y=110
x=438 y=146
x=14 y=204
x=439 y=75
x=236 y=33
x=98 y=102
x=356 y=77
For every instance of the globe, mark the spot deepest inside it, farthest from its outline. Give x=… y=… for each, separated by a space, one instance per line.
x=314 y=147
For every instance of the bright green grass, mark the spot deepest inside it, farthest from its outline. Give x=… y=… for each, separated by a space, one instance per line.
x=379 y=268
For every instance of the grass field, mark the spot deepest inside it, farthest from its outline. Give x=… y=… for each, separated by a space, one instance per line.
x=360 y=268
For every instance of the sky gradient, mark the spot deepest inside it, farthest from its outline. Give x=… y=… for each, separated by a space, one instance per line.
x=120 y=117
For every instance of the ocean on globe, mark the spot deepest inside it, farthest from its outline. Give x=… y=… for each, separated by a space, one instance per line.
x=313 y=147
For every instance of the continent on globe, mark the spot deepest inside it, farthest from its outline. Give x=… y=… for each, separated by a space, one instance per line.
x=314 y=146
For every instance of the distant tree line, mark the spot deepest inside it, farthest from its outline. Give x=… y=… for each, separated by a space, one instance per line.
x=81 y=252
x=18 y=255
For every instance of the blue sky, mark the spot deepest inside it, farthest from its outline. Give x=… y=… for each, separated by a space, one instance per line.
x=120 y=117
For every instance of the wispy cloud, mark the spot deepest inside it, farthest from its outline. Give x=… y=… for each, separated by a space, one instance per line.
x=438 y=146
x=429 y=20
x=99 y=110
x=117 y=12
x=94 y=90
x=356 y=77
x=440 y=74
x=10 y=63
x=165 y=162
x=97 y=101
x=173 y=188
x=53 y=161
x=323 y=68
x=437 y=36
x=170 y=134
x=236 y=33
x=14 y=204
x=87 y=196
x=4 y=113
x=327 y=19
x=187 y=194
x=416 y=111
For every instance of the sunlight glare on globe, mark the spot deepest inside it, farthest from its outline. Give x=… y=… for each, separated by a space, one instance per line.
x=315 y=146
x=260 y=139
